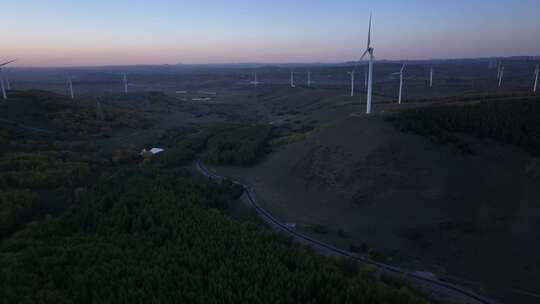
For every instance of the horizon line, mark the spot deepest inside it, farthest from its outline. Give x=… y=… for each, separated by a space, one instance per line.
x=529 y=57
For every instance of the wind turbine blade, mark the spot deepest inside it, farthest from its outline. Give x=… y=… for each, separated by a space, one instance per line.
x=7 y=62
x=369 y=31
x=364 y=55
x=402 y=68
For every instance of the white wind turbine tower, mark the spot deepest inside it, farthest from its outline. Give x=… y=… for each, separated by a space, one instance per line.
x=70 y=86
x=309 y=78
x=536 y=71
x=8 y=83
x=401 y=83
x=431 y=77
x=292 y=80
x=255 y=82
x=501 y=75
x=365 y=79
x=4 y=96
x=125 y=84
x=352 y=82
x=369 y=50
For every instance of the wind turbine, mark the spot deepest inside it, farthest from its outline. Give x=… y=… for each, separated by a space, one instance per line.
x=255 y=82
x=99 y=110
x=352 y=82
x=4 y=96
x=431 y=77
x=536 y=72
x=501 y=75
x=401 y=83
x=292 y=80
x=70 y=86
x=125 y=83
x=309 y=78
x=369 y=50
x=8 y=83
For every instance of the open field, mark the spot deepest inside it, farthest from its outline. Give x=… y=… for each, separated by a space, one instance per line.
x=451 y=78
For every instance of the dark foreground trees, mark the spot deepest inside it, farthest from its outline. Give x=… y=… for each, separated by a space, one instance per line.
x=147 y=237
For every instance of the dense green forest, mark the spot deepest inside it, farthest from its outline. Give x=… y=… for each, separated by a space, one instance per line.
x=81 y=225
x=513 y=122
x=222 y=144
x=142 y=236
x=40 y=174
x=82 y=117
x=47 y=159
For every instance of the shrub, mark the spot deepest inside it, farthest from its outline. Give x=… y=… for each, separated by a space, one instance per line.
x=177 y=157
x=376 y=255
x=320 y=229
x=13 y=204
x=240 y=145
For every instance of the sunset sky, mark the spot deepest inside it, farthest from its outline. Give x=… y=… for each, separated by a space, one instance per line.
x=116 y=32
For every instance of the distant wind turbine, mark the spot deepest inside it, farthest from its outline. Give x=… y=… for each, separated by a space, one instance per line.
x=4 y=95
x=352 y=82
x=536 y=71
x=292 y=80
x=125 y=84
x=70 y=86
x=255 y=82
x=501 y=76
x=99 y=110
x=401 y=83
x=309 y=78
x=431 y=77
x=369 y=50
